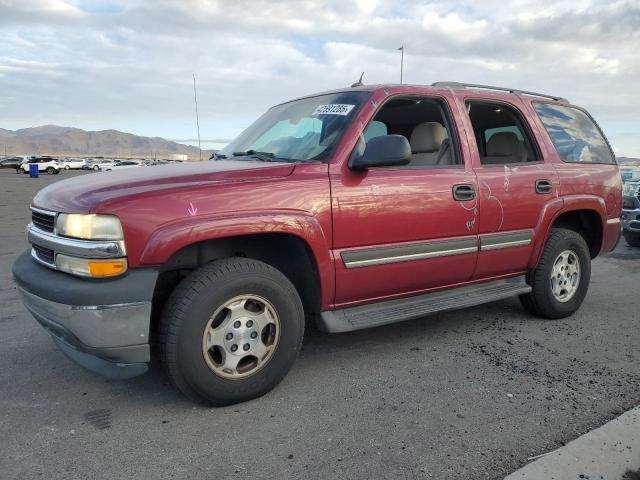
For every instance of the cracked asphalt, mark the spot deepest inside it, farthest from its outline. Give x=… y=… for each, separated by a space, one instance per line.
x=465 y=394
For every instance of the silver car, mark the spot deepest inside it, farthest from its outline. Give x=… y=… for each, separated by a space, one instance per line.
x=631 y=212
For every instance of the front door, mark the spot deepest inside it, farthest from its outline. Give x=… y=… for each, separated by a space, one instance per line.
x=399 y=230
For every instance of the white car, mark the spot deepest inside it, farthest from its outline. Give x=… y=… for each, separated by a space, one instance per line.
x=45 y=164
x=120 y=165
x=102 y=165
x=73 y=163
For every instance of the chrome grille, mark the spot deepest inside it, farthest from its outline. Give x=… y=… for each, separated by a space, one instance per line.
x=43 y=220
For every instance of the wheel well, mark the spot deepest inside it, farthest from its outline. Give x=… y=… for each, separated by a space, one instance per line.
x=586 y=223
x=288 y=253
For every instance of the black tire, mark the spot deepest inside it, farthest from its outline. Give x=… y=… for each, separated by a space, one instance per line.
x=96 y=168
x=50 y=170
x=188 y=311
x=632 y=238
x=541 y=301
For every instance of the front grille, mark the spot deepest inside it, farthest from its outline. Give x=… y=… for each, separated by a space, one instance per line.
x=44 y=254
x=43 y=221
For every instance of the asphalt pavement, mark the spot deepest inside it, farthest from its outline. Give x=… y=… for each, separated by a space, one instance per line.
x=466 y=394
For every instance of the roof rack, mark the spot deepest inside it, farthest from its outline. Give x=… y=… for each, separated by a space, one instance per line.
x=501 y=89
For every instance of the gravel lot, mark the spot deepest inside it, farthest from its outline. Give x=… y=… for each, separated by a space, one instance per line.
x=467 y=394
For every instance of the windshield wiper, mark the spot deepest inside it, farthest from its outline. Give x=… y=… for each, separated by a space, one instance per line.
x=262 y=156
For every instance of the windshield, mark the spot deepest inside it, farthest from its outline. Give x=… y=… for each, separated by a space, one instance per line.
x=299 y=131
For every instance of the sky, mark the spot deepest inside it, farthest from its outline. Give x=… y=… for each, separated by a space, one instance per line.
x=128 y=65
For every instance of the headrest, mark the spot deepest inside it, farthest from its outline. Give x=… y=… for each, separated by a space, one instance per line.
x=427 y=137
x=503 y=144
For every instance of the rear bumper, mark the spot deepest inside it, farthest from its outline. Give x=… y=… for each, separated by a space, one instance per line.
x=102 y=325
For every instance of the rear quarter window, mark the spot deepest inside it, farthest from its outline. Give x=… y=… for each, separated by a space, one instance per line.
x=574 y=134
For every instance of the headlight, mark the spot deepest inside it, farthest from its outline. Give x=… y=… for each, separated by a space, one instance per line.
x=89 y=226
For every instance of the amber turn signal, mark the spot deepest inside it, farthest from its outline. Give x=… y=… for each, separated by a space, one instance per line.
x=107 y=268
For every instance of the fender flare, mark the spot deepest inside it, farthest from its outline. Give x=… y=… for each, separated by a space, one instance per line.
x=172 y=237
x=557 y=207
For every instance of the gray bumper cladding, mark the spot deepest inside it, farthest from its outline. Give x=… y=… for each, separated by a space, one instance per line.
x=86 y=318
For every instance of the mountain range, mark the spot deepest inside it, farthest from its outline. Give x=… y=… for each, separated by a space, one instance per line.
x=67 y=141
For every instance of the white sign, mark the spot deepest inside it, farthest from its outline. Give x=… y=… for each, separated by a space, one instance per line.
x=333 y=109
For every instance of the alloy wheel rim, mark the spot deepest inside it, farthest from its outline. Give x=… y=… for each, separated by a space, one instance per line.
x=565 y=276
x=241 y=337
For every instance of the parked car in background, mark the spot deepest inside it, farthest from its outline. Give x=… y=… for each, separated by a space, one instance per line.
x=122 y=164
x=153 y=163
x=45 y=164
x=357 y=208
x=12 y=162
x=73 y=163
x=98 y=165
x=631 y=212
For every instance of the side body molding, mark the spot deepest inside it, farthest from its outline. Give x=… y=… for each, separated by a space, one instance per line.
x=169 y=238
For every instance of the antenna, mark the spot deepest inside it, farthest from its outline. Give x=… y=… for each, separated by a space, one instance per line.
x=195 y=99
x=359 y=82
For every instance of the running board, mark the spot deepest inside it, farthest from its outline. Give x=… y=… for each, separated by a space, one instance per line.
x=392 y=311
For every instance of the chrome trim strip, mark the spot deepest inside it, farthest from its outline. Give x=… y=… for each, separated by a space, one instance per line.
x=75 y=247
x=406 y=253
x=44 y=212
x=495 y=241
x=109 y=307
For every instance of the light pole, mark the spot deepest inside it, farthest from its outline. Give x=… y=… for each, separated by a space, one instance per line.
x=401 y=61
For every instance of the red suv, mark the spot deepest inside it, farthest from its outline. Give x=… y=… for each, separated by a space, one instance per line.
x=358 y=207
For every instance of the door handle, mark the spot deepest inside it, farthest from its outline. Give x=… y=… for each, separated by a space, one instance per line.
x=543 y=186
x=464 y=192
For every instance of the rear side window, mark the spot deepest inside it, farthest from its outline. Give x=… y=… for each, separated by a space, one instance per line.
x=574 y=134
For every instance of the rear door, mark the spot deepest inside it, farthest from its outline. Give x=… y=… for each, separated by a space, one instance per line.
x=399 y=230
x=516 y=182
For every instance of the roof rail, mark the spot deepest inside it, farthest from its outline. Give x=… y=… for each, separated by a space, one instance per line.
x=501 y=89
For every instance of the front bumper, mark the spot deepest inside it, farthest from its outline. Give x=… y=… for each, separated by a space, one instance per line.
x=101 y=324
x=631 y=214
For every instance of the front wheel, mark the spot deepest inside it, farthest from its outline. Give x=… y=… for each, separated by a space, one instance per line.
x=96 y=168
x=50 y=170
x=560 y=281
x=67 y=167
x=632 y=238
x=230 y=331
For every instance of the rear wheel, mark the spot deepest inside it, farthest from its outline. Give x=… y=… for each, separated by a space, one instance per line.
x=230 y=331
x=632 y=238
x=96 y=168
x=67 y=167
x=560 y=281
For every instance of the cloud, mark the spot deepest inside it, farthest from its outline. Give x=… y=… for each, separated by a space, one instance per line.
x=128 y=65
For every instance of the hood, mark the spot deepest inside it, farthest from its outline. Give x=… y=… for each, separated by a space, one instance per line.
x=83 y=193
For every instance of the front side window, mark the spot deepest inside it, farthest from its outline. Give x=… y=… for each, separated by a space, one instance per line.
x=574 y=134
x=425 y=123
x=304 y=130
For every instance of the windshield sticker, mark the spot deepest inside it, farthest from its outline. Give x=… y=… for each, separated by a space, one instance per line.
x=333 y=109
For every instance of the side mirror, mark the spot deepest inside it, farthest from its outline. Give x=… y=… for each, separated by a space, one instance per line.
x=383 y=151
